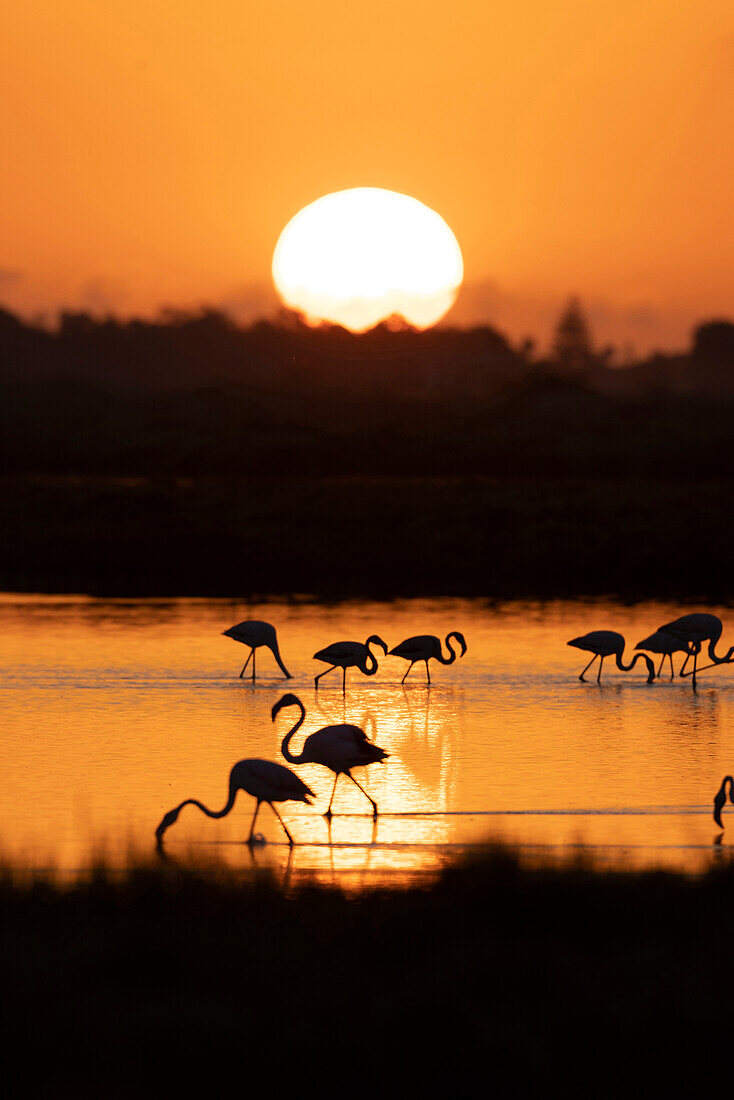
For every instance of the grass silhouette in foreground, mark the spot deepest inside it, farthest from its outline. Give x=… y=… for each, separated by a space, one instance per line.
x=567 y=982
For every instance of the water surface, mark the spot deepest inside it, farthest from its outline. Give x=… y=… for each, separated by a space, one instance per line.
x=115 y=711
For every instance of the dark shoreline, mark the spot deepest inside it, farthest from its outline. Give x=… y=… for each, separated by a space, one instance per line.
x=551 y=981
x=368 y=537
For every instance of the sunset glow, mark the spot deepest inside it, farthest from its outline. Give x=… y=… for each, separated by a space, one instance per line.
x=358 y=257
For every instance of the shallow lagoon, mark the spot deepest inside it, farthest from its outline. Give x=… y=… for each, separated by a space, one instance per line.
x=115 y=711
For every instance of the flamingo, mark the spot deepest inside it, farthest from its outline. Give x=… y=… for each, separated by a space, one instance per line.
x=265 y=780
x=338 y=748
x=254 y=633
x=346 y=655
x=426 y=647
x=667 y=644
x=720 y=798
x=605 y=643
x=695 y=629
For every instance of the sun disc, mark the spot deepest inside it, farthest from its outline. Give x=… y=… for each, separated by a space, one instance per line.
x=357 y=257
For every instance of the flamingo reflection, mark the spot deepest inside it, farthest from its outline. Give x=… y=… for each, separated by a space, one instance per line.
x=338 y=748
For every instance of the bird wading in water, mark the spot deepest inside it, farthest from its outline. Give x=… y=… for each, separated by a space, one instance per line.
x=695 y=629
x=667 y=644
x=607 y=643
x=338 y=748
x=427 y=647
x=265 y=780
x=255 y=634
x=346 y=655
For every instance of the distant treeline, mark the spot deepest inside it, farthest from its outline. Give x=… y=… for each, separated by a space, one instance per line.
x=196 y=394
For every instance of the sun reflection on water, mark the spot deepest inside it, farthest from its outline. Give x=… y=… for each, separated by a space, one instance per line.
x=115 y=711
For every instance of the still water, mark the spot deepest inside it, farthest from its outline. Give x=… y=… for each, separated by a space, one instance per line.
x=115 y=711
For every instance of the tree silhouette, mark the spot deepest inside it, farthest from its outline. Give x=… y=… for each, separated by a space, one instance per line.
x=572 y=348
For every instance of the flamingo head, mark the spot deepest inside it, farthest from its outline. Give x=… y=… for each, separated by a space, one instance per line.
x=460 y=639
x=375 y=640
x=168 y=819
x=287 y=700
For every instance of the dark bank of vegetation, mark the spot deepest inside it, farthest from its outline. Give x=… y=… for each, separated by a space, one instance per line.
x=490 y=538
x=190 y=456
x=549 y=982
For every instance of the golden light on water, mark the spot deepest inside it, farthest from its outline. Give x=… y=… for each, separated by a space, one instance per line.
x=135 y=706
x=357 y=257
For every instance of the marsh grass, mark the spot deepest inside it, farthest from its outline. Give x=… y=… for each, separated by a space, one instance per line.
x=556 y=979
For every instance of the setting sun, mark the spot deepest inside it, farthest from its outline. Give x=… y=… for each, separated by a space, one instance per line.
x=357 y=257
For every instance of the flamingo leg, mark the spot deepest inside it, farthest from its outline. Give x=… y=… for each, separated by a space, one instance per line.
x=344 y=680
x=254 y=819
x=252 y=653
x=683 y=666
x=601 y=665
x=333 y=789
x=282 y=822
x=661 y=666
x=695 y=660
x=672 y=670
x=253 y=666
x=428 y=671
x=581 y=677
x=364 y=792
x=406 y=674
x=316 y=681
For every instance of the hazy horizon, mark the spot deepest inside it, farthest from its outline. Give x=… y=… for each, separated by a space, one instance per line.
x=633 y=331
x=155 y=153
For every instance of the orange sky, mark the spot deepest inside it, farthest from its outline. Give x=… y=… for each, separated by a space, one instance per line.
x=154 y=150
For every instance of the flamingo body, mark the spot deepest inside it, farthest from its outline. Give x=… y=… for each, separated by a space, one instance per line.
x=346 y=655
x=608 y=643
x=255 y=633
x=427 y=647
x=695 y=629
x=666 y=644
x=265 y=780
x=338 y=748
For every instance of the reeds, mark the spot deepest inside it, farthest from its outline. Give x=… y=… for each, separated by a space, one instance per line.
x=556 y=979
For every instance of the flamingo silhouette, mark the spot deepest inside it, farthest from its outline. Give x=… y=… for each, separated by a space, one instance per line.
x=667 y=644
x=697 y=628
x=346 y=655
x=607 y=643
x=338 y=748
x=265 y=780
x=255 y=633
x=426 y=647
x=720 y=799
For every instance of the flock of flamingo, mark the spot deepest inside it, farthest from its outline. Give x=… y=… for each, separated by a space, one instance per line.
x=340 y=748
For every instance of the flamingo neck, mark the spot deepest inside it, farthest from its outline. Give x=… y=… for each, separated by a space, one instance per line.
x=369 y=668
x=638 y=657
x=712 y=652
x=287 y=739
x=275 y=650
x=213 y=813
x=452 y=653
